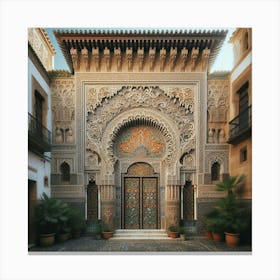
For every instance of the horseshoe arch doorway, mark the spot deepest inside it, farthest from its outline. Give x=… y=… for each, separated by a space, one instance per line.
x=140 y=197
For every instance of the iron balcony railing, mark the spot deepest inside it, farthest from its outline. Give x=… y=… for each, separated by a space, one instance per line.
x=240 y=127
x=39 y=137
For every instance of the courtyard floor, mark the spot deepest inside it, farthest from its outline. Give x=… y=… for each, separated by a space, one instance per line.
x=91 y=245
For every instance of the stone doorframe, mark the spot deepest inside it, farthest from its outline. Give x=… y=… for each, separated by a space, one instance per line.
x=128 y=175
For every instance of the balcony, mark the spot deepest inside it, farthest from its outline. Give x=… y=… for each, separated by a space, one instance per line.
x=39 y=137
x=240 y=127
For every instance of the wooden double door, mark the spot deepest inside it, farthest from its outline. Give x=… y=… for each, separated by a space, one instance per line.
x=140 y=201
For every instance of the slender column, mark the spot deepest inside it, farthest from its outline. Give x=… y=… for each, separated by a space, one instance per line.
x=172 y=205
x=86 y=202
x=99 y=203
x=195 y=197
x=182 y=202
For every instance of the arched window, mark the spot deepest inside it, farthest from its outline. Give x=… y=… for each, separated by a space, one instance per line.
x=215 y=171
x=65 y=172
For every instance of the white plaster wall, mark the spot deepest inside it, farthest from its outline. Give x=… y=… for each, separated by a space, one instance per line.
x=38 y=168
x=32 y=71
x=241 y=67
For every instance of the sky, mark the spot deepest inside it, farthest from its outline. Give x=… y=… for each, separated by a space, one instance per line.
x=223 y=62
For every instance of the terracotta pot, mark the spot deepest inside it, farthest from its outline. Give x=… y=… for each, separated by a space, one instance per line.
x=107 y=234
x=208 y=234
x=174 y=234
x=217 y=236
x=47 y=239
x=62 y=237
x=232 y=239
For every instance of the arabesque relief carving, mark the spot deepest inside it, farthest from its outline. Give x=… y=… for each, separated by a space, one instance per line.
x=175 y=102
x=140 y=140
x=218 y=95
x=218 y=103
x=63 y=111
x=140 y=115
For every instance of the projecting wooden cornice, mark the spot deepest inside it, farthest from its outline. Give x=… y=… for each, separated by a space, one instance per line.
x=140 y=51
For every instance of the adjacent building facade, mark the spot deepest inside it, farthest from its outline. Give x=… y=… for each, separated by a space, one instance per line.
x=40 y=61
x=240 y=126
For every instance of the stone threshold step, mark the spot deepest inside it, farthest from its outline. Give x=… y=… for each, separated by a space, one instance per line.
x=140 y=235
x=144 y=231
x=140 y=238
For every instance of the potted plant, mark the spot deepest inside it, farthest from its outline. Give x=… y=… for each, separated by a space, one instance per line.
x=173 y=231
x=208 y=231
x=107 y=232
x=76 y=223
x=64 y=231
x=215 y=225
x=49 y=213
x=232 y=213
x=64 y=228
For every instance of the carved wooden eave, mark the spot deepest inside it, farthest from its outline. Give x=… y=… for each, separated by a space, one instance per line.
x=137 y=51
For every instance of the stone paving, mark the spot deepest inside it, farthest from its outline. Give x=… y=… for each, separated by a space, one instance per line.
x=193 y=244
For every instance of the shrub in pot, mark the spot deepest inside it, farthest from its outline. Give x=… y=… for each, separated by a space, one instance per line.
x=64 y=228
x=232 y=212
x=76 y=223
x=107 y=232
x=49 y=213
x=215 y=225
x=173 y=231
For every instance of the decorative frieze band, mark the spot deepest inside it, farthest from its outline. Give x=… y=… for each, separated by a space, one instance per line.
x=137 y=59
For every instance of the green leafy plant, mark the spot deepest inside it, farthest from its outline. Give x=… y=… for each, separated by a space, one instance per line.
x=231 y=212
x=182 y=230
x=50 y=214
x=173 y=228
x=214 y=222
x=232 y=185
x=76 y=221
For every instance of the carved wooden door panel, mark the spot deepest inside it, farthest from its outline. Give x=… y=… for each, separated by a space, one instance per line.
x=150 y=203
x=140 y=203
x=132 y=203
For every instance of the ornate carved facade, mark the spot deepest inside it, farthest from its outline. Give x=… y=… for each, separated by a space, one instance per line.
x=139 y=99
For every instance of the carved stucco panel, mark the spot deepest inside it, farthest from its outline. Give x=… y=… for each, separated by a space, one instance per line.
x=155 y=118
x=63 y=111
x=105 y=103
x=218 y=100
